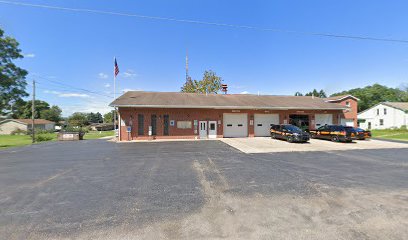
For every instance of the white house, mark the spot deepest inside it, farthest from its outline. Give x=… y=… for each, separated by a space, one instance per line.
x=384 y=115
x=10 y=125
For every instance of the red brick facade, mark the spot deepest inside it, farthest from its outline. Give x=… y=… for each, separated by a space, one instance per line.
x=350 y=114
x=129 y=116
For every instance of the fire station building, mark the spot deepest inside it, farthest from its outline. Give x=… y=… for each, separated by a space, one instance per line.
x=151 y=115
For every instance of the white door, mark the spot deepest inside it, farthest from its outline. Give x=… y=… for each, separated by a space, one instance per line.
x=212 y=129
x=323 y=119
x=263 y=122
x=347 y=122
x=203 y=129
x=235 y=125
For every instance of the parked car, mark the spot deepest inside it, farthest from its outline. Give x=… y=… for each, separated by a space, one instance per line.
x=336 y=133
x=289 y=133
x=366 y=133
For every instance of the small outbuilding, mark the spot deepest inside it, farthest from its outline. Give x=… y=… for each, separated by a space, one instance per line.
x=9 y=126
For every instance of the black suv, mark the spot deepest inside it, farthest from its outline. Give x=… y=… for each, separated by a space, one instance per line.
x=336 y=133
x=289 y=133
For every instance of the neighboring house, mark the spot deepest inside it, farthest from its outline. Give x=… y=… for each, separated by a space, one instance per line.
x=9 y=125
x=145 y=115
x=350 y=115
x=101 y=126
x=384 y=115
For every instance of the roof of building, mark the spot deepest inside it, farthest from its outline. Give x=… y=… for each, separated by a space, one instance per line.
x=29 y=121
x=399 y=105
x=340 y=97
x=221 y=101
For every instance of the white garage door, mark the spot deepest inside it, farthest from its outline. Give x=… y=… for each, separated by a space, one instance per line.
x=262 y=124
x=235 y=125
x=323 y=119
x=347 y=122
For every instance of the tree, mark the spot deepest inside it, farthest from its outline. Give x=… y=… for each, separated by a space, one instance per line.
x=320 y=94
x=12 y=78
x=25 y=110
x=94 y=117
x=108 y=117
x=298 y=94
x=372 y=95
x=52 y=114
x=78 y=119
x=211 y=83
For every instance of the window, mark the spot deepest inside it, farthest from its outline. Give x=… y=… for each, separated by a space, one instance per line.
x=378 y=111
x=381 y=122
x=385 y=111
x=184 y=124
x=348 y=104
x=212 y=126
x=140 y=124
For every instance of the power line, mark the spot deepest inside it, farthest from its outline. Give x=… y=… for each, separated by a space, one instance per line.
x=218 y=24
x=76 y=88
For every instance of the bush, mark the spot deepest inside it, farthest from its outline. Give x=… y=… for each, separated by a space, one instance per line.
x=403 y=127
x=18 y=131
x=40 y=131
x=75 y=129
x=43 y=137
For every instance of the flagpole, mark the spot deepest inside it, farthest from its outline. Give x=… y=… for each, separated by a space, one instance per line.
x=114 y=96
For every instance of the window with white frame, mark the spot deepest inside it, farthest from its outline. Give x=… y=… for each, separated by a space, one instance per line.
x=385 y=111
x=381 y=122
x=348 y=104
x=378 y=111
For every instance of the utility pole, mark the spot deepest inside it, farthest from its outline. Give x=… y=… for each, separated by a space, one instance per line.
x=33 y=113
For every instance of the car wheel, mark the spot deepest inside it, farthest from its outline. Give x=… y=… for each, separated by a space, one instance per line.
x=290 y=139
x=312 y=135
x=335 y=138
x=273 y=136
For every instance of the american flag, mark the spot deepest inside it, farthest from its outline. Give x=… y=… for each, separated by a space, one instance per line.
x=116 y=68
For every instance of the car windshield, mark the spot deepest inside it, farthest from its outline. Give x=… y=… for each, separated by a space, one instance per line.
x=292 y=128
x=350 y=129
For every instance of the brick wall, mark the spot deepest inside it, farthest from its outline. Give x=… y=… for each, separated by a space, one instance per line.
x=352 y=113
x=130 y=116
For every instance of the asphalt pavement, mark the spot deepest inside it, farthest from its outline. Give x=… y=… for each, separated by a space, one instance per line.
x=96 y=189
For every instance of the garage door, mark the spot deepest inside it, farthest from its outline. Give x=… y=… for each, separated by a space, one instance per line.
x=323 y=119
x=235 y=125
x=262 y=124
x=347 y=122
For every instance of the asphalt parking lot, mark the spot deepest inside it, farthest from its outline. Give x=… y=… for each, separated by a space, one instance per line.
x=200 y=190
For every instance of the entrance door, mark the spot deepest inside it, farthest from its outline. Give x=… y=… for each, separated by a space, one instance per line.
x=203 y=129
x=263 y=124
x=235 y=125
x=299 y=120
x=212 y=129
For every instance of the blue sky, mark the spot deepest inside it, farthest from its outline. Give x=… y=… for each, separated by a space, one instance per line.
x=77 y=49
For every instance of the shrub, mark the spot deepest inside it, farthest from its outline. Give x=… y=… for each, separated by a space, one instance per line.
x=18 y=131
x=403 y=127
x=43 y=137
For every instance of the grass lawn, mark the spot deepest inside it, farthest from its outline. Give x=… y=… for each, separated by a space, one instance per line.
x=396 y=134
x=97 y=134
x=20 y=140
x=7 y=141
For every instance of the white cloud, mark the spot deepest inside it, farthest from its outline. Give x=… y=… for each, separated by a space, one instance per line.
x=102 y=75
x=79 y=95
x=107 y=85
x=29 y=55
x=130 y=74
x=102 y=107
x=67 y=95
x=244 y=92
x=130 y=89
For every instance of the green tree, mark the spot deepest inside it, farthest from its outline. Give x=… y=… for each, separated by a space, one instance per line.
x=25 y=110
x=78 y=119
x=211 y=83
x=108 y=117
x=52 y=114
x=320 y=94
x=12 y=78
x=372 y=95
x=298 y=94
x=94 y=117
